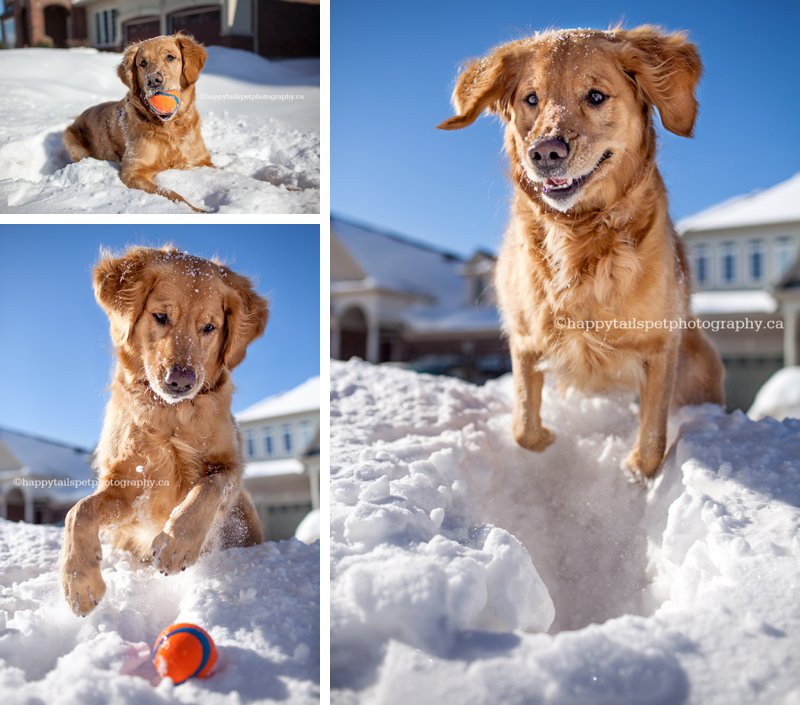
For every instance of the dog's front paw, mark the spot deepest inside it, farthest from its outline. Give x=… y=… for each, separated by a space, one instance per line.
x=83 y=584
x=172 y=554
x=643 y=463
x=534 y=439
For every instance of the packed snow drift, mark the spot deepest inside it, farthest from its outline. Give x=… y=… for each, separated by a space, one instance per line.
x=260 y=123
x=260 y=605
x=468 y=570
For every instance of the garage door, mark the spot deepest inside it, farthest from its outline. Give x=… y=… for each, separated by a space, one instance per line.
x=203 y=25
x=137 y=30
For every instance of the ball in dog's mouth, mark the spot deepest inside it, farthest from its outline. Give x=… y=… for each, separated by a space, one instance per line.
x=558 y=188
x=164 y=103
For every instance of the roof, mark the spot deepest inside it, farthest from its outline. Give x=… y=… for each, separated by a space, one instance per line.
x=741 y=301
x=305 y=397
x=274 y=468
x=399 y=264
x=778 y=204
x=41 y=457
x=465 y=319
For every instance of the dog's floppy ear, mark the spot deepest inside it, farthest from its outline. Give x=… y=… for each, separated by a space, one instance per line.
x=121 y=287
x=666 y=68
x=484 y=84
x=126 y=70
x=246 y=316
x=193 y=56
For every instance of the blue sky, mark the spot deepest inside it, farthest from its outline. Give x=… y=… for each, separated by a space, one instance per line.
x=56 y=355
x=393 y=67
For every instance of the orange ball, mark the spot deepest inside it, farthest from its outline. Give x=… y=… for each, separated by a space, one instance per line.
x=165 y=102
x=184 y=651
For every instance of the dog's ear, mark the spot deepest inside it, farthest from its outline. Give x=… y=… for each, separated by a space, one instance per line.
x=121 y=287
x=666 y=68
x=246 y=316
x=193 y=56
x=126 y=69
x=484 y=84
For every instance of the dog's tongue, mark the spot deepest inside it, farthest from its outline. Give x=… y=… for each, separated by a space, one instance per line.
x=556 y=182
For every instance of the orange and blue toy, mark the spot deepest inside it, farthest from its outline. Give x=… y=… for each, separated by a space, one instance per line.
x=165 y=103
x=183 y=651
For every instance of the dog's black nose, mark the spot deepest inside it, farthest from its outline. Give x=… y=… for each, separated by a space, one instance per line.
x=155 y=80
x=548 y=152
x=180 y=379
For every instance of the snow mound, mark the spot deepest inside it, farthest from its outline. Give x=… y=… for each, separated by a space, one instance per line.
x=779 y=397
x=260 y=605
x=260 y=122
x=465 y=569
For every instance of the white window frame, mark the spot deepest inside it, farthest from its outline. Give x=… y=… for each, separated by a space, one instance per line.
x=105 y=27
x=756 y=245
x=701 y=251
x=729 y=249
x=268 y=439
x=286 y=433
x=785 y=254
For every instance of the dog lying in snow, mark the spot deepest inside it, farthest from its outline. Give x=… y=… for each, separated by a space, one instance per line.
x=169 y=455
x=144 y=135
x=590 y=238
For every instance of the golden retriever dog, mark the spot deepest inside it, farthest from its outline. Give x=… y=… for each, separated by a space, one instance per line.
x=131 y=131
x=591 y=280
x=169 y=459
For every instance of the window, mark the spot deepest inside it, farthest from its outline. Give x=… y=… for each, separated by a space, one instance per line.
x=729 y=274
x=701 y=268
x=250 y=444
x=784 y=255
x=755 y=260
x=305 y=433
x=269 y=442
x=286 y=430
x=105 y=27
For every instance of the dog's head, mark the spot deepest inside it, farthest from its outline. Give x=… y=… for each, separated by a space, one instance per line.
x=578 y=104
x=162 y=65
x=178 y=321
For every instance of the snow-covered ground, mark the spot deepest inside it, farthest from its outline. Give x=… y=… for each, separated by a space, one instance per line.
x=779 y=397
x=260 y=122
x=467 y=570
x=260 y=605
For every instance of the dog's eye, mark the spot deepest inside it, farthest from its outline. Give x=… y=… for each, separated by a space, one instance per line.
x=161 y=318
x=143 y=63
x=170 y=57
x=532 y=99
x=596 y=97
x=208 y=328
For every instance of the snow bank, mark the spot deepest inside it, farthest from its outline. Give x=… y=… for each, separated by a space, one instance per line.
x=779 y=397
x=260 y=605
x=465 y=569
x=260 y=122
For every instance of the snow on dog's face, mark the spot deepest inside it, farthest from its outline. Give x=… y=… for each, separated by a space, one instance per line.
x=158 y=68
x=179 y=321
x=577 y=104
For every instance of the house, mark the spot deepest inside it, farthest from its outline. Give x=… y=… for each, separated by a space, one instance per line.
x=394 y=299
x=40 y=479
x=272 y=28
x=281 y=452
x=743 y=254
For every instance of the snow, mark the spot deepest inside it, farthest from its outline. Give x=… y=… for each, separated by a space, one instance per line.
x=735 y=301
x=304 y=397
x=779 y=397
x=260 y=605
x=777 y=204
x=260 y=122
x=308 y=530
x=465 y=569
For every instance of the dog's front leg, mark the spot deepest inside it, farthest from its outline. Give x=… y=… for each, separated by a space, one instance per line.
x=179 y=544
x=136 y=175
x=81 y=553
x=528 y=381
x=654 y=403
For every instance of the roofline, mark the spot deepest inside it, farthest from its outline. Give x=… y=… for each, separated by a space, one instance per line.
x=42 y=439
x=724 y=228
x=399 y=238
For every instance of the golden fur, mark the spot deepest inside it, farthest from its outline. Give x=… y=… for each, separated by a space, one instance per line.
x=131 y=133
x=606 y=252
x=168 y=311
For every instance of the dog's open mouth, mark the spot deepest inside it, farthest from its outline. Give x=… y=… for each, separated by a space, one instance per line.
x=562 y=188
